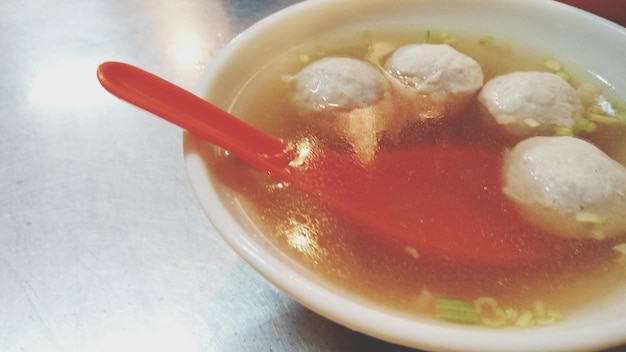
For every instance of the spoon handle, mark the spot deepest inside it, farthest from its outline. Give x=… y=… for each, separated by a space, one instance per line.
x=196 y=115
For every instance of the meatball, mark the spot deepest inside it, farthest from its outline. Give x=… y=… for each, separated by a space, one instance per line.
x=567 y=186
x=529 y=103
x=348 y=100
x=439 y=79
x=338 y=83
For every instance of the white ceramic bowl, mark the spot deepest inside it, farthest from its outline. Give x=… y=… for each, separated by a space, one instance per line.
x=589 y=41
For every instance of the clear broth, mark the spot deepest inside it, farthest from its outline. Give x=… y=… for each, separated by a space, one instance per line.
x=368 y=268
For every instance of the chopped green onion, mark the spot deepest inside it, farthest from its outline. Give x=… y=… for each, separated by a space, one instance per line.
x=496 y=318
x=456 y=311
x=555 y=67
x=539 y=310
x=544 y=316
x=555 y=314
x=480 y=302
x=586 y=125
x=498 y=321
x=562 y=131
x=608 y=120
x=563 y=75
x=438 y=37
x=545 y=321
x=486 y=311
x=486 y=40
x=444 y=36
x=525 y=320
x=491 y=42
x=552 y=64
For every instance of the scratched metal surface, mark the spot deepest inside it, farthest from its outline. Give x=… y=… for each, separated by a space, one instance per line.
x=103 y=246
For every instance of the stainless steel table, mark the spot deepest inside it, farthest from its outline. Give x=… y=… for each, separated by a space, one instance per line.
x=103 y=246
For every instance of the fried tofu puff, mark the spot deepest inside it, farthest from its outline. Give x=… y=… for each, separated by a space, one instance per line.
x=567 y=186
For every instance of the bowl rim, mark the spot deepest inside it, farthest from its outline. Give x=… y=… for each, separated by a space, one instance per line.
x=370 y=320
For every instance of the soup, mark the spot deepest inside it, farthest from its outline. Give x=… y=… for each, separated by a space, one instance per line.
x=393 y=276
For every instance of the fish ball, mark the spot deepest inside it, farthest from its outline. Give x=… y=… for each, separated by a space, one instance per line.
x=440 y=79
x=529 y=103
x=567 y=186
x=348 y=99
x=338 y=83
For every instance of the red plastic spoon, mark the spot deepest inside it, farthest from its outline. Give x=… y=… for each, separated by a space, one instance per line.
x=431 y=199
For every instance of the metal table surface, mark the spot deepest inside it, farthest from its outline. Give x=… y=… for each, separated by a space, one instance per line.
x=103 y=246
